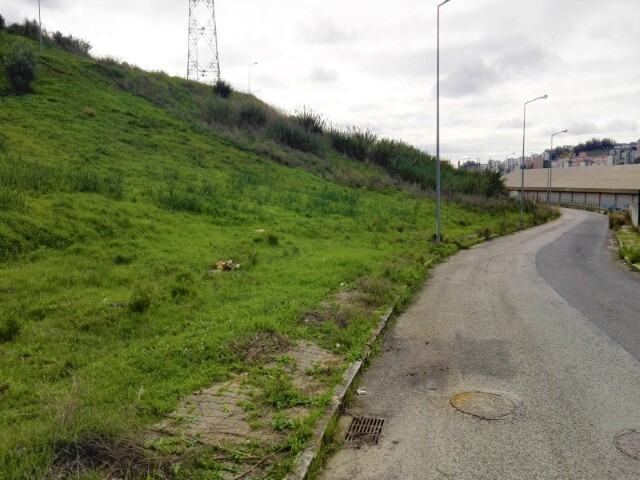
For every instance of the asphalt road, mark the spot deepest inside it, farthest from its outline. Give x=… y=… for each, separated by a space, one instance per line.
x=542 y=318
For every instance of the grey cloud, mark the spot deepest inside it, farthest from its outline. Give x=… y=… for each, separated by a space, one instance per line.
x=584 y=127
x=581 y=127
x=512 y=123
x=324 y=31
x=621 y=125
x=324 y=75
x=468 y=77
x=528 y=58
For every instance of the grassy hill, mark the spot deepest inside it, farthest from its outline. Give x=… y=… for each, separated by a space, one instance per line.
x=120 y=190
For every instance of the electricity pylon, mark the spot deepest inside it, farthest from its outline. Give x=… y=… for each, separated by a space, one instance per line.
x=203 y=63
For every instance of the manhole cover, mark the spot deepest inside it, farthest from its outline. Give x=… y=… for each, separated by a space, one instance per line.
x=484 y=405
x=629 y=443
x=365 y=429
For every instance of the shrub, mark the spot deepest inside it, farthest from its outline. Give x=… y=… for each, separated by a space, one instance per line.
x=73 y=45
x=485 y=233
x=2 y=23
x=631 y=254
x=21 y=65
x=222 y=89
x=617 y=220
x=252 y=115
x=295 y=136
x=310 y=120
x=29 y=29
x=354 y=142
x=216 y=110
x=542 y=213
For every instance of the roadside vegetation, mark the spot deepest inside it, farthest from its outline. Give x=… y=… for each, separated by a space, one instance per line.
x=121 y=191
x=628 y=236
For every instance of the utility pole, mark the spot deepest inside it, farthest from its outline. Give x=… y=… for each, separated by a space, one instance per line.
x=203 y=63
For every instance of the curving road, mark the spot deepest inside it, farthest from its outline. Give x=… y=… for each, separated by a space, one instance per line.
x=543 y=318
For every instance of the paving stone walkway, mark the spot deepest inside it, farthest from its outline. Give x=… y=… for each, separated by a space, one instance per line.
x=219 y=414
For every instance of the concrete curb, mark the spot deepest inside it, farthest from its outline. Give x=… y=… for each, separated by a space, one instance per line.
x=305 y=461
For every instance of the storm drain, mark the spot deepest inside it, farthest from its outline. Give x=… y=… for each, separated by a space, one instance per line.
x=365 y=430
x=629 y=443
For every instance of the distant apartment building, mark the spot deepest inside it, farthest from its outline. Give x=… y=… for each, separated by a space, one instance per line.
x=624 y=153
x=621 y=154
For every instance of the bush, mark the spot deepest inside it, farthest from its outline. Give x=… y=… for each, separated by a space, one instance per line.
x=21 y=65
x=295 y=136
x=631 y=254
x=354 y=142
x=222 y=88
x=29 y=29
x=252 y=115
x=72 y=45
x=216 y=110
x=310 y=120
x=617 y=220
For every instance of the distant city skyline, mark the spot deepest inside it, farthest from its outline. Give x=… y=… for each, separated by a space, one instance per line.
x=366 y=64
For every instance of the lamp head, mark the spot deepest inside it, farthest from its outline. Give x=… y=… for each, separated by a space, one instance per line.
x=544 y=97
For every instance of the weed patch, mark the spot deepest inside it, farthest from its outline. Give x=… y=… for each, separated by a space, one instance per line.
x=113 y=457
x=260 y=348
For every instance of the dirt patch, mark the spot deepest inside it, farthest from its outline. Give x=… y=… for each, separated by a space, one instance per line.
x=317 y=317
x=261 y=348
x=114 y=458
x=364 y=299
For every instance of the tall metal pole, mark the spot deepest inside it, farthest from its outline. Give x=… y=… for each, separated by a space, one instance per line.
x=438 y=126
x=551 y=166
x=524 y=127
x=40 y=22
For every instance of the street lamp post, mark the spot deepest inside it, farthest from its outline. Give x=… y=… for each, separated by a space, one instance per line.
x=251 y=65
x=438 y=126
x=524 y=127
x=551 y=166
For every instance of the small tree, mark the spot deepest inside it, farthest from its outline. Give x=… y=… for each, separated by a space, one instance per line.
x=2 y=23
x=21 y=65
x=29 y=29
x=222 y=88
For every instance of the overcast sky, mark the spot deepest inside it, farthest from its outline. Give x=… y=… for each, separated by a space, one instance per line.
x=373 y=64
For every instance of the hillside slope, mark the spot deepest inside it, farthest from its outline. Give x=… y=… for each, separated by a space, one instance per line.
x=113 y=214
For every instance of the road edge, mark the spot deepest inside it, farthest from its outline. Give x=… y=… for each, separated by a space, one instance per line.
x=305 y=462
x=632 y=267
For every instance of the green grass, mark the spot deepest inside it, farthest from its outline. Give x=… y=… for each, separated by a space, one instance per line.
x=629 y=245
x=111 y=223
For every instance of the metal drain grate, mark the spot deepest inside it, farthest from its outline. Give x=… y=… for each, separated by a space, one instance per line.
x=365 y=429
